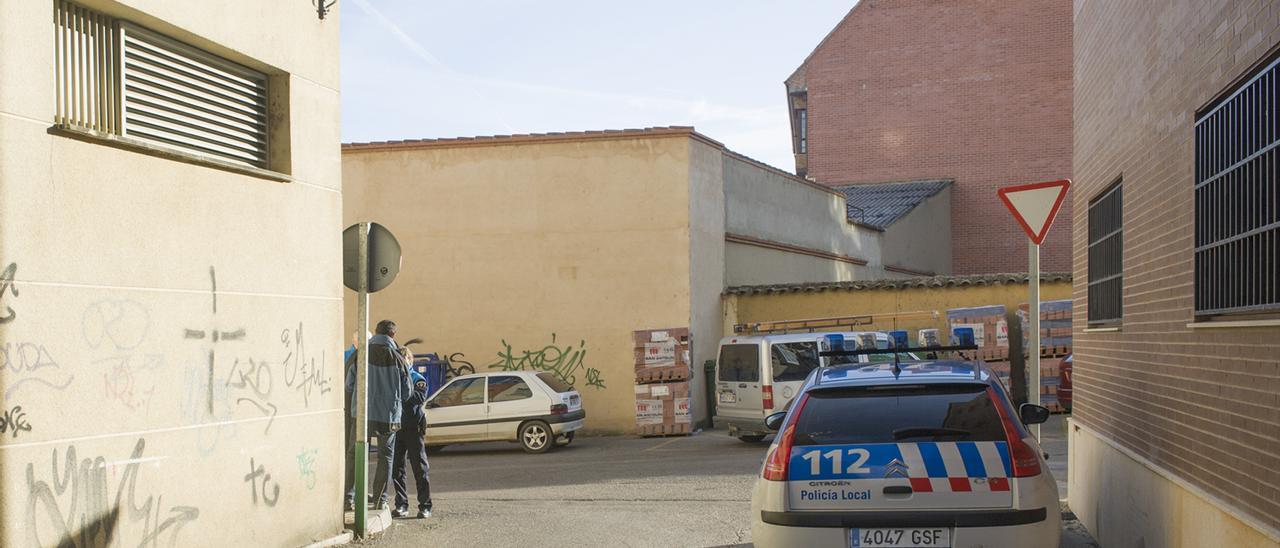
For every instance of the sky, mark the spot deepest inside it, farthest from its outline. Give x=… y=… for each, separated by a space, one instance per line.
x=415 y=69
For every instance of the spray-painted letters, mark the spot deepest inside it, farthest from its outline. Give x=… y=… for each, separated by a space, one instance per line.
x=7 y=285
x=563 y=361
x=259 y=471
x=300 y=371
x=73 y=510
x=30 y=363
x=14 y=421
x=306 y=466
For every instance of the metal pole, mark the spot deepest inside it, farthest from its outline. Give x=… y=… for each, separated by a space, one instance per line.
x=362 y=385
x=1033 y=360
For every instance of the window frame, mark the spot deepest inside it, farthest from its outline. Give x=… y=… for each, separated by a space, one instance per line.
x=1236 y=197
x=484 y=392
x=489 y=383
x=1096 y=204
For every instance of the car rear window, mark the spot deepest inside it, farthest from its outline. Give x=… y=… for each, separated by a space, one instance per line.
x=947 y=412
x=793 y=361
x=739 y=363
x=555 y=383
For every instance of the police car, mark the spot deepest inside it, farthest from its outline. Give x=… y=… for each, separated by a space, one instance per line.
x=911 y=453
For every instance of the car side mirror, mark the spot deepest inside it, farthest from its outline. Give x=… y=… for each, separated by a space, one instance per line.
x=1032 y=413
x=774 y=421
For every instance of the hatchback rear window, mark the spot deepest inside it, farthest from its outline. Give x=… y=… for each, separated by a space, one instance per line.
x=555 y=383
x=739 y=363
x=899 y=414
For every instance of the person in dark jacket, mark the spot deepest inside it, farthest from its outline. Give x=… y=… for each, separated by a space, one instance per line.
x=410 y=444
x=389 y=385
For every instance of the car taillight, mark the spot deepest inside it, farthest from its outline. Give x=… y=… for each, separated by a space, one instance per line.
x=1024 y=459
x=559 y=409
x=776 y=464
x=767 y=394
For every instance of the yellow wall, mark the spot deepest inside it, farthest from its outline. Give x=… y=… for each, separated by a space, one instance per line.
x=114 y=254
x=883 y=304
x=508 y=246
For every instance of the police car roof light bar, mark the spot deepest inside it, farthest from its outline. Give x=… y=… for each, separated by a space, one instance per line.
x=866 y=351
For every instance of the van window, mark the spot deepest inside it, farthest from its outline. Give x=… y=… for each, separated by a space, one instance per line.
x=918 y=413
x=739 y=363
x=793 y=361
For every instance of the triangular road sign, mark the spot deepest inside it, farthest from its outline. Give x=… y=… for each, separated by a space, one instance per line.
x=1035 y=205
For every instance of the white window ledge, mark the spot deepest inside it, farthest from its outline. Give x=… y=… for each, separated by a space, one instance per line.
x=1102 y=330
x=144 y=147
x=1235 y=324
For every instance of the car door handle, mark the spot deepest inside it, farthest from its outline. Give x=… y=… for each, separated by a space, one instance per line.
x=897 y=490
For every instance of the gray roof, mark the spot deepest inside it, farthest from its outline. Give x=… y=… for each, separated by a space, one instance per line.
x=882 y=204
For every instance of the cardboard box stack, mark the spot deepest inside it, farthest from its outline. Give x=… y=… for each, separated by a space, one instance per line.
x=662 y=382
x=990 y=329
x=1055 y=344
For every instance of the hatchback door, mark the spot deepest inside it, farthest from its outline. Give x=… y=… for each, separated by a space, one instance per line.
x=919 y=447
x=456 y=413
x=738 y=382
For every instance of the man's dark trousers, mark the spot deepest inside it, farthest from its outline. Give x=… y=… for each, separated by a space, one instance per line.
x=411 y=446
x=386 y=451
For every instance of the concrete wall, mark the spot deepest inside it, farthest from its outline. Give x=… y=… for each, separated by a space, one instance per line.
x=119 y=267
x=552 y=249
x=882 y=303
x=921 y=240
x=772 y=207
x=1130 y=501
x=707 y=263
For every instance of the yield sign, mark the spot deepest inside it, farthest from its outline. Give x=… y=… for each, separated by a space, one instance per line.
x=1035 y=205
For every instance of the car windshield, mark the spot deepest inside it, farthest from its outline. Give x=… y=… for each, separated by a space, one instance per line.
x=555 y=383
x=929 y=412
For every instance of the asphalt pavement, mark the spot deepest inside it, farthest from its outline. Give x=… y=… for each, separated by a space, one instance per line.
x=600 y=491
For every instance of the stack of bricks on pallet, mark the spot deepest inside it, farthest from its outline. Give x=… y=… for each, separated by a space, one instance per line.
x=1055 y=343
x=990 y=329
x=662 y=382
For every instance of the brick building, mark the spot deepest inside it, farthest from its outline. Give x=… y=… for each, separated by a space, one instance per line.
x=973 y=91
x=1175 y=439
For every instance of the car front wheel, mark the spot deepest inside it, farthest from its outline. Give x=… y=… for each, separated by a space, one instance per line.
x=536 y=437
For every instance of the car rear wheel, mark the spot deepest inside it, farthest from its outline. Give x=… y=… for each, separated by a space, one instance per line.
x=536 y=437
x=564 y=439
x=750 y=439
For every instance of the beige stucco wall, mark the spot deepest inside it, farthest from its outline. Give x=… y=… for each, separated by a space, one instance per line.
x=114 y=255
x=548 y=248
x=707 y=261
x=769 y=205
x=921 y=239
x=1122 y=499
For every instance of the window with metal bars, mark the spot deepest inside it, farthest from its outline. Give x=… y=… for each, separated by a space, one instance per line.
x=1106 y=257
x=802 y=131
x=118 y=78
x=1237 y=221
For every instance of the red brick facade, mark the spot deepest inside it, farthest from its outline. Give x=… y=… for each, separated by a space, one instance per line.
x=978 y=91
x=1203 y=404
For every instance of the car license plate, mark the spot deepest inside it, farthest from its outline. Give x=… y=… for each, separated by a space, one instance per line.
x=900 y=538
x=728 y=397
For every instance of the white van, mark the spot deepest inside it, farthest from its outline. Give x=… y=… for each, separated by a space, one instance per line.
x=758 y=374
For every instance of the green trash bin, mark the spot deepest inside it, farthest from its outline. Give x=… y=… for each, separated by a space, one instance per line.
x=709 y=368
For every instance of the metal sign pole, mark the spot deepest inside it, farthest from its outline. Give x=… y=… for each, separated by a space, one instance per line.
x=1033 y=362
x=362 y=386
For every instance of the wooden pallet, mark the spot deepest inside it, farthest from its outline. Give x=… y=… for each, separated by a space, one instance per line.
x=662 y=374
x=657 y=430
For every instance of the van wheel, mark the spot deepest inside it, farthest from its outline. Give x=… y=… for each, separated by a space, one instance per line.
x=750 y=439
x=536 y=437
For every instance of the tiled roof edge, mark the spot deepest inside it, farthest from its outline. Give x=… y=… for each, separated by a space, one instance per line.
x=902 y=283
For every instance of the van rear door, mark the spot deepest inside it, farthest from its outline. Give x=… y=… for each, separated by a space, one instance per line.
x=738 y=390
x=789 y=364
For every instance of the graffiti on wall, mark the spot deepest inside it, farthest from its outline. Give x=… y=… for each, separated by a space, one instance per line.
x=113 y=329
x=258 y=478
x=306 y=467
x=564 y=361
x=7 y=285
x=30 y=363
x=301 y=372
x=72 y=506
x=213 y=334
x=14 y=421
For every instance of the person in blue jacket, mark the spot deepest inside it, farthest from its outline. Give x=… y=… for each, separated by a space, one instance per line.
x=410 y=444
x=389 y=386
